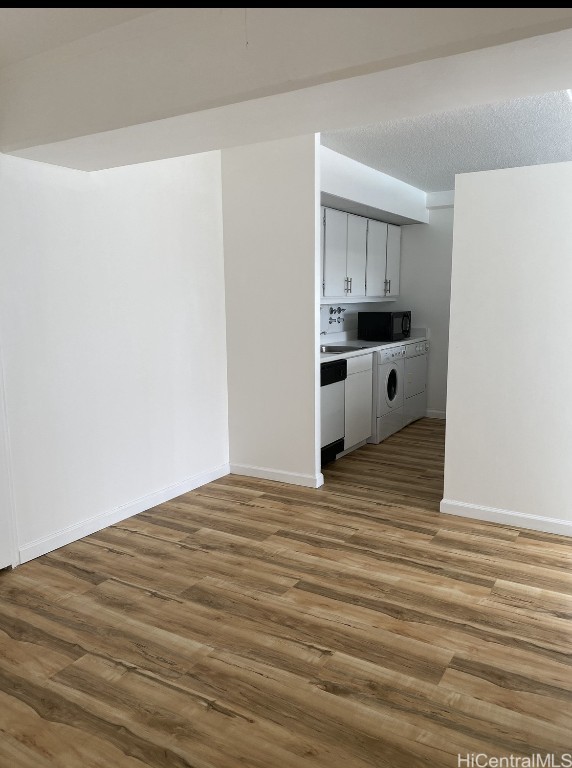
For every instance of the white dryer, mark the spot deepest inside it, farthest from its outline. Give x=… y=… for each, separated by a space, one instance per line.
x=389 y=393
x=416 y=380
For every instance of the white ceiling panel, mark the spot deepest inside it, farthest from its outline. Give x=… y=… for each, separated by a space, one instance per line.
x=26 y=32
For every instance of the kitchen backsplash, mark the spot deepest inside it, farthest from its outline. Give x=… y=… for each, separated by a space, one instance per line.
x=339 y=321
x=342 y=318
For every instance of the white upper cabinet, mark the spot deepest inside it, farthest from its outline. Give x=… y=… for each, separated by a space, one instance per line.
x=356 y=255
x=393 y=260
x=335 y=248
x=360 y=257
x=376 y=258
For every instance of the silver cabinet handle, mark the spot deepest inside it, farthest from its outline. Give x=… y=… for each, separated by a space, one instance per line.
x=389 y=286
x=345 y=284
x=350 y=284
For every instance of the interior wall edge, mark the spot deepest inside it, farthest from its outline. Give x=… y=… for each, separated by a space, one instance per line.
x=7 y=497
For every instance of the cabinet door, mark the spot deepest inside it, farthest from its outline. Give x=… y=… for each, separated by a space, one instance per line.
x=393 y=260
x=356 y=255
x=376 y=256
x=358 y=408
x=335 y=247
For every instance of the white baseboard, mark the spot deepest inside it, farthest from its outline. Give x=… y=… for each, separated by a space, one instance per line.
x=264 y=473
x=91 y=525
x=507 y=517
x=431 y=414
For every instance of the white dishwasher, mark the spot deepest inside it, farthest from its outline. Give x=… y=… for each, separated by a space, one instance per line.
x=332 y=408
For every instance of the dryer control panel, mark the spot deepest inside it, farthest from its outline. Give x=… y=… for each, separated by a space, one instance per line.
x=394 y=353
x=417 y=348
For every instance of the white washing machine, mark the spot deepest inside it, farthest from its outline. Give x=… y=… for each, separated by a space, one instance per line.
x=389 y=394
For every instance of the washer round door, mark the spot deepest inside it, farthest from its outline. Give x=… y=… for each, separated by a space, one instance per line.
x=393 y=386
x=390 y=381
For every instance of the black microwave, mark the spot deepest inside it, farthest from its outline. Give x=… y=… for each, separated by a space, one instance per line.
x=384 y=326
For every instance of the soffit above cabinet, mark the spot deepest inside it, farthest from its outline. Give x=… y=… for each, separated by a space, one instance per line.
x=348 y=185
x=352 y=206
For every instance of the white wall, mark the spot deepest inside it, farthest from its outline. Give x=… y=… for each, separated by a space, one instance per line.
x=112 y=319
x=426 y=290
x=271 y=244
x=509 y=411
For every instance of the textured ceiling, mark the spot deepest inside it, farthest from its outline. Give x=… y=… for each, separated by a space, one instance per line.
x=428 y=151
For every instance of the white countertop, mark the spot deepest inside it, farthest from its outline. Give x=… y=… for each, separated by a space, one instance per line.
x=371 y=346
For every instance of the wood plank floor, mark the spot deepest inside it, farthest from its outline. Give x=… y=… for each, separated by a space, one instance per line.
x=255 y=624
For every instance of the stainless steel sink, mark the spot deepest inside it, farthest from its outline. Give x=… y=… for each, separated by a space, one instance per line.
x=340 y=349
